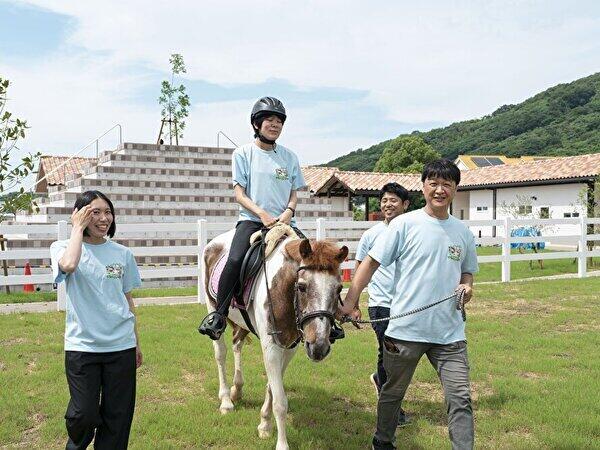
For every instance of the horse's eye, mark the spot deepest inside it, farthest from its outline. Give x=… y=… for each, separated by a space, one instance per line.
x=302 y=287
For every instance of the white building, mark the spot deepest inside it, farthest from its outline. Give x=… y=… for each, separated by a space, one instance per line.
x=549 y=188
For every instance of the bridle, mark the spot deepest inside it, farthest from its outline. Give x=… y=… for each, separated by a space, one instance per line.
x=299 y=316
x=302 y=317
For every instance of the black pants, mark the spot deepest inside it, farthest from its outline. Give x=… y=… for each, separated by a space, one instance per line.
x=229 y=283
x=102 y=387
x=380 y=312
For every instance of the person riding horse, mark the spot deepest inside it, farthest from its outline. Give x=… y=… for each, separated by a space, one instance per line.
x=266 y=177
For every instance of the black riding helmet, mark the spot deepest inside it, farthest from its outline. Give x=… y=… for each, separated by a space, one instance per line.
x=266 y=106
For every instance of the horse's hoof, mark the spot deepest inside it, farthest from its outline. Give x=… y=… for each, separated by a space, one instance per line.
x=264 y=433
x=235 y=394
x=226 y=407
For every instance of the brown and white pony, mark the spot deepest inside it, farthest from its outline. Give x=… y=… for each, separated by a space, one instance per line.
x=304 y=284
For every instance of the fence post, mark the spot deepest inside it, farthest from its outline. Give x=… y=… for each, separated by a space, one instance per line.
x=321 y=229
x=506 y=251
x=61 y=289
x=582 y=258
x=202 y=238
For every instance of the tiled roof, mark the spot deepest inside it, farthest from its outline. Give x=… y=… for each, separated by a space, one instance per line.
x=373 y=181
x=322 y=178
x=49 y=164
x=568 y=167
x=316 y=177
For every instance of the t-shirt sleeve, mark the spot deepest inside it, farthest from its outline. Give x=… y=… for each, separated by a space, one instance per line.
x=57 y=250
x=469 y=264
x=239 y=168
x=363 y=247
x=386 y=248
x=298 y=181
x=131 y=275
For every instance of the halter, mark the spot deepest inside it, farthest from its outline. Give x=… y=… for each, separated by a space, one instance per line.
x=299 y=317
x=302 y=318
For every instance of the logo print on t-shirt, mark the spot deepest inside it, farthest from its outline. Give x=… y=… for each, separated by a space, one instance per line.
x=281 y=174
x=454 y=252
x=114 y=270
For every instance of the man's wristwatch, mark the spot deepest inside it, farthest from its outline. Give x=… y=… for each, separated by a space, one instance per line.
x=292 y=210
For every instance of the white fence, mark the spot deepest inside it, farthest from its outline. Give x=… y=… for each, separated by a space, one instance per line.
x=344 y=232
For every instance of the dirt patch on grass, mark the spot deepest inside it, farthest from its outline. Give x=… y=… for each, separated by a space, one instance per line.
x=577 y=327
x=31 y=436
x=13 y=341
x=514 y=308
x=533 y=376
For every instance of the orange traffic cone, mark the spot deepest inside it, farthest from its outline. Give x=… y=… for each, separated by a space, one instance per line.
x=346 y=275
x=28 y=287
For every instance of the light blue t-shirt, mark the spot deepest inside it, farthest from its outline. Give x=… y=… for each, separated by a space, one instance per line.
x=383 y=284
x=268 y=177
x=430 y=256
x=98 y=318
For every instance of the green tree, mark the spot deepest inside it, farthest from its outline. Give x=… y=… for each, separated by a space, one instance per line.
x=12 y=196
x=174 y=101
x=406 y=154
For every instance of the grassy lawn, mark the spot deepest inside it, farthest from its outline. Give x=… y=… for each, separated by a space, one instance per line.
x=23 y=297
x=531 y=347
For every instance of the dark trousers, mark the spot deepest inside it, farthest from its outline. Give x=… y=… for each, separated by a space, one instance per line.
x=102 y=388
x=229 y=283
x=379 y=312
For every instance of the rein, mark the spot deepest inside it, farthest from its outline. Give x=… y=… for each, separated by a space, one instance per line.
x=460 y=305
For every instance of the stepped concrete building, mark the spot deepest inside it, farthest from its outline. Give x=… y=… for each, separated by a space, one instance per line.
x=156 y=184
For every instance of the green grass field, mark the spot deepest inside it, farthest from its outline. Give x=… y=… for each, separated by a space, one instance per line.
x=25 y=297
x=533 y=350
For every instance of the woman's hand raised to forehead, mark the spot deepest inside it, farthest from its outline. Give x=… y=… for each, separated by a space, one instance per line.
x=81 y=217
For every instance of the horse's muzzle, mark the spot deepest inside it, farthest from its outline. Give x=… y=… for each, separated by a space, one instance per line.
x=318 y=350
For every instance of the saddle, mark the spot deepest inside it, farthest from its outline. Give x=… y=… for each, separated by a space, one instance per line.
x=252 y=264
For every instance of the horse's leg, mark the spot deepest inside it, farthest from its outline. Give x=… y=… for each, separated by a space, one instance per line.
x=274 y=362
x=221 y=358
x=239 y=335
x=265 y=427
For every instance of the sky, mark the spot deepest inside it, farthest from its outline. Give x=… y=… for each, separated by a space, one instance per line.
x=350 y=73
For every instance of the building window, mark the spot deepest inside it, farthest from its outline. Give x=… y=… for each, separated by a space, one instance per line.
x=482 y=208
x=462 y=214
x=544 y=212
x=573 y=214
x=525 y=209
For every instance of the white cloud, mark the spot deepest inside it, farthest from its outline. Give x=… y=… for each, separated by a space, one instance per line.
x=435 y=61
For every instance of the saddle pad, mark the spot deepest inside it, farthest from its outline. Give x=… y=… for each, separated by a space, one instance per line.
x=213 y=285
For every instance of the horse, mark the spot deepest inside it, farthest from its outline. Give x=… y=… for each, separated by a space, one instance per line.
x=296 y=298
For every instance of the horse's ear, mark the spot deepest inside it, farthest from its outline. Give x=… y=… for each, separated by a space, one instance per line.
x=341 y=256
x=292 y=249
x=305 y=249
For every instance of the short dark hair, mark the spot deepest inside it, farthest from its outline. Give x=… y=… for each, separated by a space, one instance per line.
x=394 y=188
x=88 y=197
x=441 y=168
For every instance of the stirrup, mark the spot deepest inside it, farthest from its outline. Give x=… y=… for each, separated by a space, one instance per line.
x=336 y=333
x=213 y=325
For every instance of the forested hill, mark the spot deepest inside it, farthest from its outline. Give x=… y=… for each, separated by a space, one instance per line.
x=563 y=120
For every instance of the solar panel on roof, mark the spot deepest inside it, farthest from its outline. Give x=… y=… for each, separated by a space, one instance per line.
x=495 y=161
x=481 y=161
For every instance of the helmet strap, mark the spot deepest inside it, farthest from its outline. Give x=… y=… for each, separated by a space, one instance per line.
x=265 y=140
